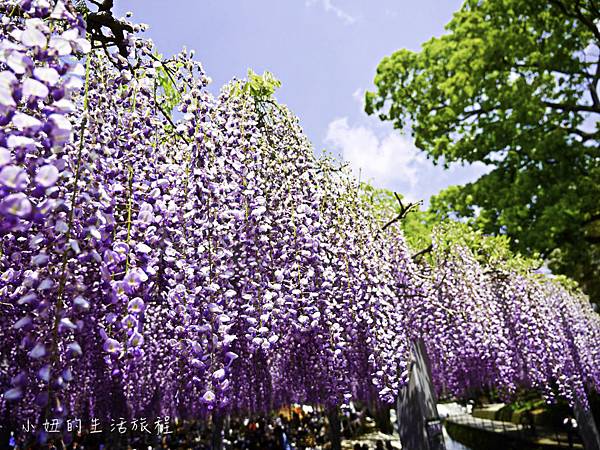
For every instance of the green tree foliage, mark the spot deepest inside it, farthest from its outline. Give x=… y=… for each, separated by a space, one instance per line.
x=418 y=227
x=169 y=95
x=513 y=84
x=262 y=87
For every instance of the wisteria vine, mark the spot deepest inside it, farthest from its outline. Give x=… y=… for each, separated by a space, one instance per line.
x=212 y=264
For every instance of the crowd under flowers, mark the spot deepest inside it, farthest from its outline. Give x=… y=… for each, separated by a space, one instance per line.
x=214 y=265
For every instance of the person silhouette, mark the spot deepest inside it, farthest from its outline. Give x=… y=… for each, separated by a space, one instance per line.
x=571 y=425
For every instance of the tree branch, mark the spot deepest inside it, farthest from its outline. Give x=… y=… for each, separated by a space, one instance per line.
x=593 y=86
x=404 y=210
x=427 y=249
x=572 y=108
x=577 y=14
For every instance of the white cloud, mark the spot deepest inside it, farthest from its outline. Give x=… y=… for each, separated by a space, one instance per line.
x=328 y=6
x=389 y=159
x=392 y=161
x=359 y=96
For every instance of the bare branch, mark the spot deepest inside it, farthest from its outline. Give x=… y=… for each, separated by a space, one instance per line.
x=427 y=249
x=404 y=210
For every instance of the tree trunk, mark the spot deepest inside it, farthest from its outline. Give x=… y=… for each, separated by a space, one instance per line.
x=334 y=428
x=382 y=418
x=587 y=427
x=419 y=426
x=217 y=432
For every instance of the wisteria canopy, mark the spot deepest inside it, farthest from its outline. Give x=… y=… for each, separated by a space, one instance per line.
x=204 y=260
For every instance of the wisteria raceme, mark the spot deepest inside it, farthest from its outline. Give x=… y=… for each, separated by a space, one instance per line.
x=213 y=265
x=40 y=75
x=492 y=327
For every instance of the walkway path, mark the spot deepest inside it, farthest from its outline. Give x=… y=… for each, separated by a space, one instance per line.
x=371 y=440
x=542 y=436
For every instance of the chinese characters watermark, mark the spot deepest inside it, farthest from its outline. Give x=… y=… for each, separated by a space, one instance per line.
x=158 y=426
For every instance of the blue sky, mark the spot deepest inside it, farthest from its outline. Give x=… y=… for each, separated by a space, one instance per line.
x=325 y=52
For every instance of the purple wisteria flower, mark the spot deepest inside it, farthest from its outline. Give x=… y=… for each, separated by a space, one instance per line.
x=17 y=205
x=47 y=175
x=218 y=265
x=135 y=306
x=112 y=346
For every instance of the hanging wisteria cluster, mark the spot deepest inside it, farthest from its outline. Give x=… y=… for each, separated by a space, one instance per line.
x=493 y=327
x=212 y=264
